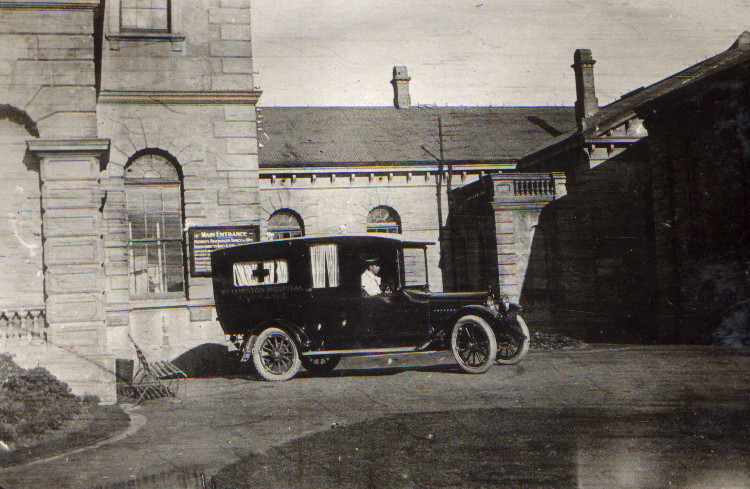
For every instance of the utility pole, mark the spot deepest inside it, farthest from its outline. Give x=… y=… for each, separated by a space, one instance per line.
x=439 y=177
x=439 y=181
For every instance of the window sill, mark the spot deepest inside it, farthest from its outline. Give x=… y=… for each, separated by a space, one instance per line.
x=176 y=39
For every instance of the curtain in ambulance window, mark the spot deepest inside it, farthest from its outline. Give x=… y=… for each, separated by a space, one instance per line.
x=324 y=259
x=252 y=273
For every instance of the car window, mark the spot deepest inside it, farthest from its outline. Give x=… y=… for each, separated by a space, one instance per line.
x=324 y=260
x=253 y=273
x=415 y=270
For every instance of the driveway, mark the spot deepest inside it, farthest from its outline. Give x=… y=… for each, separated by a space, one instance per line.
x=218 y=421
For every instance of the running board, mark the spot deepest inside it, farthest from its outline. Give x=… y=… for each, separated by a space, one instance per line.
x=368 y=351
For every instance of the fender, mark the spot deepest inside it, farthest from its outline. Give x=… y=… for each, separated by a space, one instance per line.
x=483 y=312
x=497 y=322
x=299 y=335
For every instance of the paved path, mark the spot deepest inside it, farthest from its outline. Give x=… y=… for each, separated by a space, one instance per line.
x=219 y=421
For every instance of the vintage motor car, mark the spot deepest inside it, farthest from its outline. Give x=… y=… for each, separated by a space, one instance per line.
x=310 y=301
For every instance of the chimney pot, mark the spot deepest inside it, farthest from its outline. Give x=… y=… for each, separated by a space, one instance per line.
x=400 y=82
x=586 y=101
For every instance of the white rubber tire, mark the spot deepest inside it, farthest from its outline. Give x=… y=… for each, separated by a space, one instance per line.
x=513 y=358
x=473 y=361
x=275 y=355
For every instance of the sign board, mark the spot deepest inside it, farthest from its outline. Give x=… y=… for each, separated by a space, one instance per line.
x=203 y=240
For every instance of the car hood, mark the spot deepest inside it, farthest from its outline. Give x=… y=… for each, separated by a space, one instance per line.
x=458 y=297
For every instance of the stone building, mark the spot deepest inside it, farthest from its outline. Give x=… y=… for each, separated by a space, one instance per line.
x=130 y=150
x=330 y=170
x=124 y=125
x=131 y=146
x=580 y=257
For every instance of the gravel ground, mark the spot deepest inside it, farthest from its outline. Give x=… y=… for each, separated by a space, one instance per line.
x=220 y=421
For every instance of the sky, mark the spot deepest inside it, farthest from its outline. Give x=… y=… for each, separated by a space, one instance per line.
x=480 y=52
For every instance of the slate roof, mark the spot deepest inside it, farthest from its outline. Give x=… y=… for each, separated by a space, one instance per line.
x=624 y=108
x=362 y=136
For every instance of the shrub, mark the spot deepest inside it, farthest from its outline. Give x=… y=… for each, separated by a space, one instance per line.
x=33 y=401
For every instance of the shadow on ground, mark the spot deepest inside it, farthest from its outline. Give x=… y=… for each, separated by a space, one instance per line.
x=531 y=448
x=208 y=360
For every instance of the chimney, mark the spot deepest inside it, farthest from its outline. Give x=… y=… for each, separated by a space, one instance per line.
x=586 y=102
x=400 y=82
x=742 y=42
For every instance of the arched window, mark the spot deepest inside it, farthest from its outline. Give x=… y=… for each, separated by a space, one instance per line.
x=383 y=219
x=285 y=223
x=153 y=194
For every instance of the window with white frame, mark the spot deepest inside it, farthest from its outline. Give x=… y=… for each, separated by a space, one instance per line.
x=153 y=194
x=253 y=273
x=383 y=219
x=145 y=15
x=285 y=223
x=324 y=260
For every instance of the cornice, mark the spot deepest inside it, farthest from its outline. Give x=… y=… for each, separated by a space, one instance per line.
x=164 y=97
x=48 y=4
x=413 y=167
x=44 y=147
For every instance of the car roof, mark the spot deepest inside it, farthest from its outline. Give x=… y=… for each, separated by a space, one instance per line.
x=360 y=239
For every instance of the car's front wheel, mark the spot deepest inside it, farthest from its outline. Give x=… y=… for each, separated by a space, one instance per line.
x=275 y=355
x=473 y=344
x=320 y=364
x=513 y=344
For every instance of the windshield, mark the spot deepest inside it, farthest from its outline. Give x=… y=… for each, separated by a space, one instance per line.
x=415 y=267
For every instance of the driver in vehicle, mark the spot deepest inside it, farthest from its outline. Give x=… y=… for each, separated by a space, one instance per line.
x=371 y=281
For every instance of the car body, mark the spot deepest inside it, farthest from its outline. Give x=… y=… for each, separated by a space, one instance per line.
x=306 y=296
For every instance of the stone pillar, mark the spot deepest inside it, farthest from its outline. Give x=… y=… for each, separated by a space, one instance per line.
x=518 y=200
x=73 y=256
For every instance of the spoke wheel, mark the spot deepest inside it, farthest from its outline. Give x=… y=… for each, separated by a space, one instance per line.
x=473 y=344
x=512 y=345
x=275 y=355
x=320 y=364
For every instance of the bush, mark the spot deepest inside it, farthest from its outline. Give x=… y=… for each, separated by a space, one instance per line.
x=34 y=401
x=8 y=367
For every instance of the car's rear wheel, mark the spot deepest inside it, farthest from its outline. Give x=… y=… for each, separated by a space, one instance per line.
x=275 y=355
x=473 y=344
x=512 y=346
x=320 y=364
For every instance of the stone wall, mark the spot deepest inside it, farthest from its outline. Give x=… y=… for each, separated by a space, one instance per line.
x=48 y=89
x=70 y=75
x=21 y=276
x=332 y=202
x=494 y=238
x=602 y=238
x=700 y=155
x=189 y=95
x=574 y=249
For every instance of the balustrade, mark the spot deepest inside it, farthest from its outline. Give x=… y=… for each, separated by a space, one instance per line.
x=23 y=326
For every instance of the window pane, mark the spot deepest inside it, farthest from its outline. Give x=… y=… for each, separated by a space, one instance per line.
x=415 y=272
x=145 y=15
x=154 y=213
x=156 y=267
x=285 y=224
x=383 y=220
x=271 y=272
x=325 y=265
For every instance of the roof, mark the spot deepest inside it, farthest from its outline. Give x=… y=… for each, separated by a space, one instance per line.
x=624 y=108
x=368 y=239
x=361 y=136
x=737 y=55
